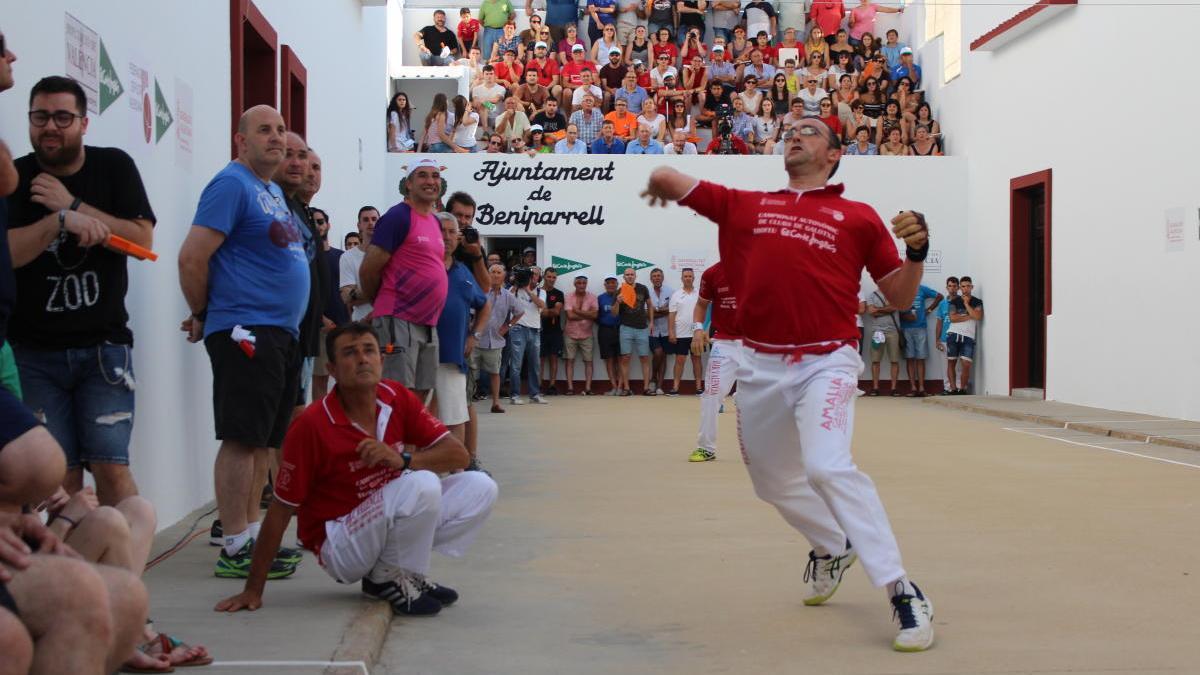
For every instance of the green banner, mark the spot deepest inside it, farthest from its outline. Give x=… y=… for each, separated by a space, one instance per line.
x=110 y=82
x=162 y=113
x=565 y=265
x=624 y=261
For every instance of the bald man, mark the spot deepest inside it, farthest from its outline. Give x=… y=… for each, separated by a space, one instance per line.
x=245 y=276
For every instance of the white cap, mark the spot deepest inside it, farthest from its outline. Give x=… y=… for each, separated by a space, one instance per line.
x=906 y=50
x=718 y=48
x=535 y=127
x=577 y=48
x=541 y=44
x=423 y=163
x=614 y=50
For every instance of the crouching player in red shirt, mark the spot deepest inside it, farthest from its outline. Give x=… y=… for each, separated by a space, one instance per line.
x=370 y=510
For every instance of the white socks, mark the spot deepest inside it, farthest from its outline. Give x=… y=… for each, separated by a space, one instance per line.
x=383 y=572
x=253 y=528
x=235 y=542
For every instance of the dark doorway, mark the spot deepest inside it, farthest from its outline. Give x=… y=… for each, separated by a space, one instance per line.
x=510 y=248
x=253 y=46
x=1030 y=280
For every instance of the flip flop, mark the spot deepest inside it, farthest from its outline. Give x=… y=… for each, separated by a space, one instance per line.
x=168 y=644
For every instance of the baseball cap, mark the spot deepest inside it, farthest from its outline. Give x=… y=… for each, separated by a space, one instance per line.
x=529 y=249
x=614 y=50
x=906 y=50
x=540 y=45
x=577 y=48
x=423 y=163
x=535 y=127
x=638 y=62
x=718 y=48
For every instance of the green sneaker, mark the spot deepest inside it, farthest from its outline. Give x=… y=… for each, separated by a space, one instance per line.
x=237 y=566
x=702 y=455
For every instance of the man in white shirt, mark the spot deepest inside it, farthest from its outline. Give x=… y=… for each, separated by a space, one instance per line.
x=587 y=86
x=351 y=260
x=488 y=98
x=572 y=144
x=680 y=144
x=680 y=323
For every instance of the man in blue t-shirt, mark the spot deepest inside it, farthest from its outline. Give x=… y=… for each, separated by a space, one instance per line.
x=916 y=345
x=609 y=336
x=943 y=329
x=245 y=277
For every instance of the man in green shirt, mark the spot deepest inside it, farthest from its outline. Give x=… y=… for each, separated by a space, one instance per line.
x=493 y=14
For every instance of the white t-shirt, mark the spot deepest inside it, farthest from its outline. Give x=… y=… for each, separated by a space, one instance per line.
x=862 y=297
x=661 y=300
x=597 y=93
x=348 y=266
x=531 y=316
x=464 y=134
x=684 y=306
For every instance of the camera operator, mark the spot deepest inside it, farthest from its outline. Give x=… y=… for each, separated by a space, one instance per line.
x=526 y=337
x=725 y=142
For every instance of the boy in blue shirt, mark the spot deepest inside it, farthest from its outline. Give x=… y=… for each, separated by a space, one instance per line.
x=943 y=329
x=916 y=345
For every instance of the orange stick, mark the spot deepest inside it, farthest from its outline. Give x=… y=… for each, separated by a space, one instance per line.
x=127 y=247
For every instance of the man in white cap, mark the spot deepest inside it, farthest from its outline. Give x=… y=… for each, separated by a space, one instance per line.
x=721 y=69
x=612 y=76
x=907 y=68
x=571 y=73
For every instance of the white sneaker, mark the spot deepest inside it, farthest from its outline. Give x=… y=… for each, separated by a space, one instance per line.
x=825 y=572
x=860 y=392
x=516 y=401
x=658 y=391
x=537 y=398
x=915 y=613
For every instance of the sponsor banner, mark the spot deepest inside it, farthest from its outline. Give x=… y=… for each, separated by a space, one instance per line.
x=83 y=59
x=110 y=81
x=566 y=265
x=624 y=262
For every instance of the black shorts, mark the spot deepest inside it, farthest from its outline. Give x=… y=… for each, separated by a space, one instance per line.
x=7 y=601
x=682 y=346
x=552 y=343
x=610 y=341
x=15 y=418
x=253 y=396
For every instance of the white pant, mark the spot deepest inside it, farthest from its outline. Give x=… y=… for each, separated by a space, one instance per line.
x=403 y=522
x=722 y=375
x=795 y=422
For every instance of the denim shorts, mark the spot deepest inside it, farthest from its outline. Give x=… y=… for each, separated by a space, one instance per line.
x=916 y=343
x=85 y=398
x=960 y=347
x=635 y=341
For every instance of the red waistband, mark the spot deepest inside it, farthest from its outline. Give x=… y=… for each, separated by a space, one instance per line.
x=797 y=352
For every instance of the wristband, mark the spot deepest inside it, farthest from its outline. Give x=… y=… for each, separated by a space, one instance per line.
x=75 y=204
x=917 y=254
x=698 y=326
x=62 y=223
x=407 y=457
x=59 y=516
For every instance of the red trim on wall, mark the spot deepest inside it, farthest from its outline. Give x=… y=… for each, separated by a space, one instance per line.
x=293 y=91
x=1018 y=326
x=1020 y=18
x=246 y=23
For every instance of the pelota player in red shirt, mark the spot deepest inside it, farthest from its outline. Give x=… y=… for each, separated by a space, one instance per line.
x=721 y=373
x=794 y=259
x=367 y=508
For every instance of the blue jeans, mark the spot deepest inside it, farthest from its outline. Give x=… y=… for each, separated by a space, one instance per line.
x=526 y=346
x=490 y=37
x=726 y=33
x=85 y=398
x=431 y=59
x=439 y=147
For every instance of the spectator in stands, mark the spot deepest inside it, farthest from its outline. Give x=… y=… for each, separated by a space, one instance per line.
x=680 y=120
x=469 y=30
x=767 y=129
x=535 y=141
x=652 y=120
x=560 y=16
x=738 y=51
x=399 y=124
x=894 y=146
x=531 y=35
x=680 y=145
x=750 y=96
x=495 y=145
x=546 y=68
x=888 y=121
x=795 y=113
x=571 y=144
x=762 y=71
x=893 y=48
x=525 y=338
x=644 y=144
x=725 y=17
x=943 y=330
x=757 y=15
x=736 y=146
x=829 y=117
x=762 y=42
x=866 y=51
x=844 y=97
x=690 y=17
x=464 y=128
x=605 y=39
x=789 y=42
x=512 y=123
x=486 y=100
x=350 y=286
x=494 y=15
x=811 y=96
x=473 y=64
x=924 y=117
x=566 y=46
x=815 y=70
x=816 y=44
x=573 y=77
x=924 y=145
x=624 y=123
x=642 y=72
x=779 y=93
x=966 y=311
x=717 y=96
x=612 y=77
x=858 y=118
x=638 y=48
x=914 y=324
x=694 y=81
x=636 y=314
x=693 y=45
x=504 y=314
x=743 y=123
x=721 y=70
x=907 y=99
x=862 y=144
x=664 y=45
x=587 y=86
x=608 y=143
x=843 y=68
x=862 y=18
x=885 y=340
x=435 y=137
x=552 y=122
x=437 y=44
x=632 y=94
x=587 y=120
x=509 y=72
x=681 y=308
x=660 y=15
x=662 y=68
x=827 y=15
x=840 y=45
x=872 y=98
x=627 y=20
x=608 y=335
x=509 y=41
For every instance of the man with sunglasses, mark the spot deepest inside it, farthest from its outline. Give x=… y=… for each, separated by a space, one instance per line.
x=70 y=329
x=800 y=253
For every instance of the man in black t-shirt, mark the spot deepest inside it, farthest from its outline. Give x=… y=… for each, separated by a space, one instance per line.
x=552 y=331
x=435 y=40
x=69 y=329
x=336 y=312
x=553 y=122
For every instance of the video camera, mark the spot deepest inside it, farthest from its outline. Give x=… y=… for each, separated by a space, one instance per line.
x=521 y=276
x=725 y=130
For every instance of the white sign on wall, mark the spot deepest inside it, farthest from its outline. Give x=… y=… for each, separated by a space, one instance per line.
x=933 y=261
x=83 y=59
x=1174 y=230
x=183 y=124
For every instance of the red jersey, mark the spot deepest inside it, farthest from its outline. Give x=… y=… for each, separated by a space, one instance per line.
x=572 y=70
x=714 y=287
x=467 y=30
x=320 y=473
x=794 y=261
x=546 y=71
x=506 y=74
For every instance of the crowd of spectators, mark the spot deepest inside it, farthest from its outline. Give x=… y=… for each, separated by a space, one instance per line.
x=651 y=65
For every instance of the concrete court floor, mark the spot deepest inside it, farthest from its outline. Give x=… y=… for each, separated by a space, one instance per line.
x=609 y=553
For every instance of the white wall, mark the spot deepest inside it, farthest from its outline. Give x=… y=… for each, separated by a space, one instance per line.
x=173 y=446
x=1121 y=335
x=890 y=184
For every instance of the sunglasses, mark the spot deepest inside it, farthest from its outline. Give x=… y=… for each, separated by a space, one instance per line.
x=62 y=118
x=495 y=142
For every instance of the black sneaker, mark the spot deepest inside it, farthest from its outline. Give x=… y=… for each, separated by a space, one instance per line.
x=403 y=595
x=216 y=536
x=443 y=594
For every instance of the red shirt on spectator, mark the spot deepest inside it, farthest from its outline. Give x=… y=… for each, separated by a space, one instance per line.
x=572 y=70
x=715 y=288
x=795 y=260
x=827 y=14
x=643 y=80
x=833 y=123
x=504 y=74
x=467 y=30
x=669 y=48
x=545 y=71
x=321 y=474
x=739 y=146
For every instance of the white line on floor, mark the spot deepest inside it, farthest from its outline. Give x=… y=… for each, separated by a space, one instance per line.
x=1121 y=421
x=1101 y=447
x=292 y=664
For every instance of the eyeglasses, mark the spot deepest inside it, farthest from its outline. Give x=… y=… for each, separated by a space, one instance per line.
x=663 y=58
x=544 y=32
x=495 y=142
x=824 y=105
x=3 y=47
x=801 y=131
x=319 y=221
x=62 y=118
x=812 y=82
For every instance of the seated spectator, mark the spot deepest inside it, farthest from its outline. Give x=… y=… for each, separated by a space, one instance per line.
x=587 y=87
x=791 y=76
x=750 y=96
x=608 y=143
x=624 y=123
x=908 y=99
x=757 y=16
x=924 y=117
x=721 y=70
x=890 y=120
x=924 y=145
x=436 y=43
x=638 y=48
x=717 y=96
x=767 y=128
x=632 y=94
x=495 y=145
x=653 y=120
x=695 y=81
x=566 y=46
x=582 y=310
x=762 y=42
x=544 y=35
x=816 y=44
x=680 y=120
x=612 y=77
x=866 y=49
x=399 y=124
x=858 y=118
x=665 y=45
x=693 y=45
x=469 y=30
x=862 y=144
x=894 y=145
x=531 y=96
x=789 y=47
x=841 y=45
x=486 y=98
x=795 y=113
x=815 y=70
x=571 y=144
x=513 y=122
x=644 y=144
x=779 y=93
x=382 y=536
x=892 y=49
x=668 y=94
x=509 y=72
x=510 y=41
x=844 y=96
x=829 y=117
x=877 y=68
x=862 y=19
x=552 y=122
x=871 y=98
x=662 y=68
x=516 y=145
x=606 y=41
x=738 y=50
x=464 y=128
x=641 y=70
x=547 y=71
x=762 y=72
x=587 y=120
x=571 y=73
x=811 y=96
x=474 y=64
x=679 y=145
x=435 y=137
x=536 y=143
x=842 y=69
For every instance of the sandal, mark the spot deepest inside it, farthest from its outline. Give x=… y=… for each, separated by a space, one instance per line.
x=167 y=645
x=896 y=393
x=873 y=392
x=588 y=392
x=911 y=394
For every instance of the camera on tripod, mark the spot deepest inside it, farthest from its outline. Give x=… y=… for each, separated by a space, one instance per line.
x=725 y=130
